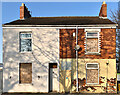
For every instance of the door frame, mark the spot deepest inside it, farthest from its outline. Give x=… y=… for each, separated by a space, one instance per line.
x=51 y=65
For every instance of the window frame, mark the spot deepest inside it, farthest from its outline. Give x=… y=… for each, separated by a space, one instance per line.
x=98 y=37
x=24 y=32
x=92 y=68
x=92 y=36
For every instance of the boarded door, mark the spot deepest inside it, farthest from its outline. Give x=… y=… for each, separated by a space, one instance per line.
x=25 y=73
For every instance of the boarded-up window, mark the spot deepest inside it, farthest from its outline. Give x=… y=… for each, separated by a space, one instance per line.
x=92 y=44
x=92 y=73
x=25 y=73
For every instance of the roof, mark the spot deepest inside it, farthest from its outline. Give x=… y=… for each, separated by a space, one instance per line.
x=70 y=20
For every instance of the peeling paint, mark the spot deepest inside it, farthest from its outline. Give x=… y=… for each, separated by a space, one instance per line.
x=104 y=77
x=111 y=87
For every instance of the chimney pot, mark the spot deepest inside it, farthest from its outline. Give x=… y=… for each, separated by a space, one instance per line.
x=104 y=2
x=22 y=4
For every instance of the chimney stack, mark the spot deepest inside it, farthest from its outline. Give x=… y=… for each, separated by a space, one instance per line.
x=103 y=10
x=24 y=13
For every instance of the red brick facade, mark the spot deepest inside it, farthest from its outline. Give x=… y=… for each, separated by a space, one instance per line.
x=68 y=42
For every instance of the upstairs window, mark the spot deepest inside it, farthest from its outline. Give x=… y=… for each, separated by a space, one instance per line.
x=25 y=42
x=92 y=42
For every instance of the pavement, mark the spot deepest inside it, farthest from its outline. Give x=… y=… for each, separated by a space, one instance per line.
x=54 y=94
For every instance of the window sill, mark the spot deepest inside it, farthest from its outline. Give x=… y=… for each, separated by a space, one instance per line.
x=93 y=53
x=25 y=52
x=92 y=83
x=25 y=83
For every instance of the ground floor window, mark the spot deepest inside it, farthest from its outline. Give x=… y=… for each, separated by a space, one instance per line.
x=25 y=73
x=92 y=73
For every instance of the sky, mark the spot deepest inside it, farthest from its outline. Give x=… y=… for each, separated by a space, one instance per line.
x=10 y=11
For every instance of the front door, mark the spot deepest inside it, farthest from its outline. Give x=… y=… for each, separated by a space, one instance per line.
x=52 y=69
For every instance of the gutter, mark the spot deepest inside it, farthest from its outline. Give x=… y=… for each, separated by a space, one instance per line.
x=95 y=25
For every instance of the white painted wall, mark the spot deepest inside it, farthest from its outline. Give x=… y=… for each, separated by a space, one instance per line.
x=45 y=50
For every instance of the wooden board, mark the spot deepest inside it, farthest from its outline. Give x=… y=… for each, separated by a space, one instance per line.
x=92 y=75
x=92 y=44
x=25 y=73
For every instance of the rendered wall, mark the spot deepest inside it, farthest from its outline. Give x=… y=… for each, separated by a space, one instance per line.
x=107 y=79
x=45 y=50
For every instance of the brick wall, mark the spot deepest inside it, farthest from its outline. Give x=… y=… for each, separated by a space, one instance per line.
x=24 y=13
x=67 y=44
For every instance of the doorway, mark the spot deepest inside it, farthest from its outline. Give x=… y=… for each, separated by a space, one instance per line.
x=52 y=68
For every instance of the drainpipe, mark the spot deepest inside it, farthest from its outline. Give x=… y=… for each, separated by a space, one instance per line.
x=77 y=59
x=107 y=77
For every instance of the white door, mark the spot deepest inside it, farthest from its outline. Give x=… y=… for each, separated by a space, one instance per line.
x=53 y=77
